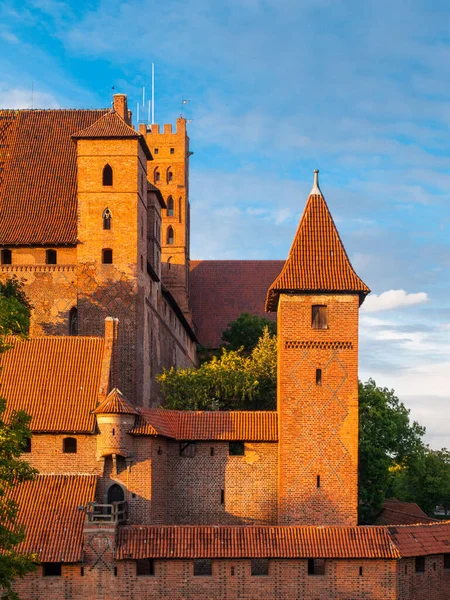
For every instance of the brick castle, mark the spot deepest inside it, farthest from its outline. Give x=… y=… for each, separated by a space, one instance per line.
x=133 y=500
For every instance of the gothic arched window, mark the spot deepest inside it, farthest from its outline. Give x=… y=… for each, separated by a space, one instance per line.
x=156 y=175
x=170 y=236
x=73 y=321
x=107 y=216
x=170 y=207
x=107 y=175
x=169 y=175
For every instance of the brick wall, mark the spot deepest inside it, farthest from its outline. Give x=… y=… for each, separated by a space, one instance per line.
x=48 y=457
x=432 y=584
x=318 y=424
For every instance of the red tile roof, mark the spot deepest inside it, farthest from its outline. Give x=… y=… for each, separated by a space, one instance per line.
x=395 y=512
x=48 y=507
x=221 y=290
x=115 y=403
x=214 y=425
x=422 y=539
x=254 y=542
x=317 y=259
x=54 y=379
x=38 y=202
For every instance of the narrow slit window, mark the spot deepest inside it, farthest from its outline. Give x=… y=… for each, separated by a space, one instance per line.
x=360 y=571
x=107 y=217
x=50 y=257
x=107 y=256
x=6 y=256
x=69 y=445
x=73 y=321
x=319 y=317
x=318 y=481
x=107 y=175
x=318 y=376
x=27 y=446
x=170 y=236
x=222 y=496
x=170 y=207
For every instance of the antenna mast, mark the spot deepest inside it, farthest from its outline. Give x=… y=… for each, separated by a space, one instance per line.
x=153 y=93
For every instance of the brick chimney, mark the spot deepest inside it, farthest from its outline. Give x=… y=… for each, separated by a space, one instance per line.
x=121 y=107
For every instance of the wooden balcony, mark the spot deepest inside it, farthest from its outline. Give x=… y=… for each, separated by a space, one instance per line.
x=117 y=512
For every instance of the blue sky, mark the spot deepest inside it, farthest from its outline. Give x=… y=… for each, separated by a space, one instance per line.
x=360 y=90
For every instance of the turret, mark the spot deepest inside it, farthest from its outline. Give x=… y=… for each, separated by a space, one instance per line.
x=317 y=296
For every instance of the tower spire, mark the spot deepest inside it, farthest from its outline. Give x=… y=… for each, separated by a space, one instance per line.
x=316 y=189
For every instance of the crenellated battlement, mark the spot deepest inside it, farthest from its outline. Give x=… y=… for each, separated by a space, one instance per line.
x=165 y=129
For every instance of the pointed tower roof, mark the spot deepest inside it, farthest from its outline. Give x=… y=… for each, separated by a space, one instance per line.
x=111 y=126
x=115 y=403
x=317 y=260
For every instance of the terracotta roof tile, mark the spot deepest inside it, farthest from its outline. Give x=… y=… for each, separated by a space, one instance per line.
x=317 y=259
x=214 y=425
x=422 y=539
x=48 y=507
x=254 y=542
x=54 y=379
x=38 y=203
x=115 y=403
x=221 y=290
x=402 y=513
x=109 y=125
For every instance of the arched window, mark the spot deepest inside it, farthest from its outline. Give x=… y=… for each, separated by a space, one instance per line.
x=169 y=175
x=169 y=239
x=107 y=175
x=69 y=445
x=6 y=256
x=50 y=257
x=107 y=216
x=73 y=321
x=107 y=257
x=115 y=494
x=157 y=175
x=170 y=207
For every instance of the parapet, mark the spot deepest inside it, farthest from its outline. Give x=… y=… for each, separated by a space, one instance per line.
x=165 y=129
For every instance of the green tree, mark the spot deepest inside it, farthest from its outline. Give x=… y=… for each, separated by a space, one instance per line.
x=246 y=331
x=14 y=433
x=426 y=480
x=386 y=438
x=232 y=381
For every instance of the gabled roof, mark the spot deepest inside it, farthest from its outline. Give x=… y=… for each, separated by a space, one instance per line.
x=254 y=542
x=395 y=512
x=115 y=403
x=422 y=539
x=38 y=201
x=49 y=509
x=112 y=126
x=317 y=260
x=213 y=425
x=56 y=380
x=221 y=290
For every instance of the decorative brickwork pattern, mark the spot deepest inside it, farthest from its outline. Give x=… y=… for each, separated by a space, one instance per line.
x=322 y=345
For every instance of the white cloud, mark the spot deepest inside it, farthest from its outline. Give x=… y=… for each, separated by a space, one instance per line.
x=392 y=299
x=20 y=98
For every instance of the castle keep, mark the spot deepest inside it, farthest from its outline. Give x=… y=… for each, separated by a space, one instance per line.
x=133 y=500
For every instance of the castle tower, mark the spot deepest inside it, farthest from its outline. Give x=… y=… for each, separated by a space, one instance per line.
x=112 y=238
x=317 y=296
x=169 y=171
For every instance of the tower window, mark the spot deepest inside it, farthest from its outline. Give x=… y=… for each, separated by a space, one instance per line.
x=50 y=257
x=145 y=567
x=236 y=448
x=316 y=566
x=6 y=256
x=203 y=566
x=319 y=317
x=107 y=256
x=169 y=175
x=69 y=445
x=260 y=566
x=318 y=481
x=170 y=236
x=157 y=175
x=172 y=151
x=170 y=207
x=107 y=175
x=107 y=216
x=318 y=376
x=73 y=321
x=156 y=150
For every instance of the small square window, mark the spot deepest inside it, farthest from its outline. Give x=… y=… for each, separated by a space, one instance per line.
x=172 y=151
x=145 y=567
x=446 y=561
x=156 y=150
x=420 y=564
x=52 y=569
x=316 y=566
x=237 y=449
x=260 y=566
x=188 y=449
x=319 y=317
x=203 y=567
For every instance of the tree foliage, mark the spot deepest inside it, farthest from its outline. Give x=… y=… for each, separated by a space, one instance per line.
x=245 y=332
x=386 y=437
x=232 y=381
x=14 y=433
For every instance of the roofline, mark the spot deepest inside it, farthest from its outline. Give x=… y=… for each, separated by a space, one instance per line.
x=173 y=303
